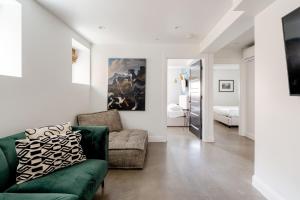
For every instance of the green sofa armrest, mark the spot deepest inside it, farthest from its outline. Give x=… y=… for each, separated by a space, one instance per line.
x=37 y=196
x=94 y=141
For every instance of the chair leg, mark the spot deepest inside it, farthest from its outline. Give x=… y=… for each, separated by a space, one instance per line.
x=102 y=184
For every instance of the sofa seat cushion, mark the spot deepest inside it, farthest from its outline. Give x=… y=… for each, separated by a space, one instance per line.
x=37 y=196
x=127 y=148
x=127 y=139
x=82 y=179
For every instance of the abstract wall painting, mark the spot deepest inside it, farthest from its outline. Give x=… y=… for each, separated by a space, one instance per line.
x=126 y=84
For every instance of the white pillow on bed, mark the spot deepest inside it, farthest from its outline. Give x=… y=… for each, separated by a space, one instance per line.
x=174 y=107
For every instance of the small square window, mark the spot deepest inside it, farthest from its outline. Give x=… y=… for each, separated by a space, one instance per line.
x=81 y=63
x=10 y=38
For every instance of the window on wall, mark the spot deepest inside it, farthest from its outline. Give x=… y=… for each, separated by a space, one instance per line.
x=10 y=38
x=80 y=63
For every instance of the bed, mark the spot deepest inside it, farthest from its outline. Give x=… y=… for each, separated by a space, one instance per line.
x=228 y=115
x=176 y=116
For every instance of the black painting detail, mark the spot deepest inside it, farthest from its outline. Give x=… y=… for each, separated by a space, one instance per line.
x=226 y=85
x=126 y=84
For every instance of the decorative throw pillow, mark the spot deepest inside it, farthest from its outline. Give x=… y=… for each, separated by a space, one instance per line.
x=43 y=156
x=37 y=133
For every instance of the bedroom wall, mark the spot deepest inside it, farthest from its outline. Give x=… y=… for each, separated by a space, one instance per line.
x=44 y=94
x=154 y=118
x=226 y=72
x=174 y=87
x=277 y=118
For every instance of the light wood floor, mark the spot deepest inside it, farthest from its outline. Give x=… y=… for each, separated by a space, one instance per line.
x=186 y=169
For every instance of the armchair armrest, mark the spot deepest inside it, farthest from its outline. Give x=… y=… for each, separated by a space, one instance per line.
x=94 y=141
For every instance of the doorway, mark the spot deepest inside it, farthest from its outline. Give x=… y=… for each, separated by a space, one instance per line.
x=226 y=105
x=184 y=95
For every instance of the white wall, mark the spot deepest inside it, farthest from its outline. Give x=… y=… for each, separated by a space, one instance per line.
x=228 y=56
x=208 y=98
x=174 y=87
x=154 y=118
x=45 y=94
x=277 y=117
x=226 y=98
x=249 y=93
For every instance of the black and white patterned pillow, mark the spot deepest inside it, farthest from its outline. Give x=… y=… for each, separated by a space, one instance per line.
x=37 y=133
x=43 y=156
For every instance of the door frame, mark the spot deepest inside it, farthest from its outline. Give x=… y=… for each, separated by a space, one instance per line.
x=165 y=84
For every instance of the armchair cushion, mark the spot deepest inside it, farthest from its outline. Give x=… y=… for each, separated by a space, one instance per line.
x=110 y=118
x=128 y=148
x=128 y=139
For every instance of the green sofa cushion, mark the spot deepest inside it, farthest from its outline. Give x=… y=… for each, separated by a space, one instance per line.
x=4 y=176
x=94 y=141
x=7 y=146
x=37 y=196
x=82 y=179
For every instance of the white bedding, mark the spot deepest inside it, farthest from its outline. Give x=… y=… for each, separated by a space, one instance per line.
x=229 y=111
x=175 y=111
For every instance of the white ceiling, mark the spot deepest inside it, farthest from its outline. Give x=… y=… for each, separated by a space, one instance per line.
x=140 y=21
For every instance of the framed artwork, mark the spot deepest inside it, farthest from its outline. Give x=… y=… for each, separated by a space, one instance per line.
x=126 y=84
x=226 y=85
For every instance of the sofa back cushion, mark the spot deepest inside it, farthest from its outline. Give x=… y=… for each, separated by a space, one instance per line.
x=4 y=175
x=110 y=118
x=8 y=156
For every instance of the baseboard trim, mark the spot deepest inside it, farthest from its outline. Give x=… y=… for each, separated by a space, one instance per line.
x=208 y=140
x=157 y=138
x=247 y=135
x=265 y=190
x=250 y=136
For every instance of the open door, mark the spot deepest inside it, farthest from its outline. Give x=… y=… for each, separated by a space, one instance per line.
x=195 y=125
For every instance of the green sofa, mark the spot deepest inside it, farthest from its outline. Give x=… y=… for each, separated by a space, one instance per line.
x=77 y=182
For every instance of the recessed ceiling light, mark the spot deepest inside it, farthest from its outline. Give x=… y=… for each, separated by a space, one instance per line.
x=101 y=27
